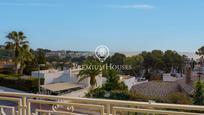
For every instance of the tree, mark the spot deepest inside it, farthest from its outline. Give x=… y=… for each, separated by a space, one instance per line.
x=25 y=57
x=91 y=73
x=40 y=56
x=136 y=64
x=147 y=63
x=198 y=98
x=113 y=82
x=16 y=42
x=173 y=59
x=112 y=89
x=200 y=51
x=5 y=54
x=158 y=63
x=118 y=59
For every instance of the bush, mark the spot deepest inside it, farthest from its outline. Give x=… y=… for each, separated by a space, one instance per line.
x=15 y=82
x=7 y=70
x=179 y=98
x=28 y=70
x=198 y=97
x=119 y=95
x=112 y=89
x=137 y=97
x=115 y=94
x=96 y=93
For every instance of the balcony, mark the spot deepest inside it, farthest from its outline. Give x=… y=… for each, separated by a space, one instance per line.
x=31 y=104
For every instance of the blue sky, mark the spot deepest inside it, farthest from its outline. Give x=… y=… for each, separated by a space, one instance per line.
x=122 y=25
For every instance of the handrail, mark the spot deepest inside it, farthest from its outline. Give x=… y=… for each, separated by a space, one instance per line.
x=107 y=103
x=133 y=103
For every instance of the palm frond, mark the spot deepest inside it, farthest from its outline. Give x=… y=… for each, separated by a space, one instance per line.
x=24 y=42
x=9 y=45
x=82 y=78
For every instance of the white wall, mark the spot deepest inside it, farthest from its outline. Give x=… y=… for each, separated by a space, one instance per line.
x=132 y=81
x=55 y=77
x=65 y=76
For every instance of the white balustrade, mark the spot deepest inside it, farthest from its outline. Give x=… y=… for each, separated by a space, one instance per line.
x=32 y=104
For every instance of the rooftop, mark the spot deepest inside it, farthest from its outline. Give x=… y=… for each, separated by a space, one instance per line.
x=61 y=86
x=158 y=89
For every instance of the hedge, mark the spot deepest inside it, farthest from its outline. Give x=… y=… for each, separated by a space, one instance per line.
x=16 y=82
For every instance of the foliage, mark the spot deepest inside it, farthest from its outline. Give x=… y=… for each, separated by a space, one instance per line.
x=29 y=68
x=179 y=98
x=198 y=98
x=16 y=82
x=118 y=59
x=112 y=89
x=78 y=60
x=119 y=95
x=40 y=56
x=91 y=73
x=5 y=54
x=18 y=44
x=137 y=97
x=113 y=82
x=113 y=94
x=172 y=59
x=200 y=51
x=157 y=60
x=136 y=64
x=96 y=93
x=25 y=57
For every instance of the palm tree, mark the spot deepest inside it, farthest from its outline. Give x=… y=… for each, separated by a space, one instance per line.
x=91 y=73
x=113 y=81
x=25 y=56
x=16 y=40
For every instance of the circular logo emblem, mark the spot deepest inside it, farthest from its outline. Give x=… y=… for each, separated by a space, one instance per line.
x=102 y=53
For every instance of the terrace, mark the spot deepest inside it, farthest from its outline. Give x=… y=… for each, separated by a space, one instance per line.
x=31 y=104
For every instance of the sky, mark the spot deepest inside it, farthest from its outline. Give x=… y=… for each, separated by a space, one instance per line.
x=122 y=25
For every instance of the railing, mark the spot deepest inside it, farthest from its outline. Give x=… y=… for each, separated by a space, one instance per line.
x=31 y=104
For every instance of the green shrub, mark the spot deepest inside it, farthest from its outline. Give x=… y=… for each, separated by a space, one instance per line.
x=137 y=97
x=119 y=95
x=96 y=93
x=114 y=94
x=198 y=97
x=28 y=70
x=179 y=98
x=24 y=84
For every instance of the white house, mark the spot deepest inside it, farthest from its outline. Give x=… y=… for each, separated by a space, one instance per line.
x=52 y=76
x=130 y=81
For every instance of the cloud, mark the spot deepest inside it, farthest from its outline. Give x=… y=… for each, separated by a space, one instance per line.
x=28 y=4
x=133 y=6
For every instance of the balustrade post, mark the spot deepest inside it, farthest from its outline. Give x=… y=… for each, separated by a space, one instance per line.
x=2 y=111
x=28 y=108
x=20 y=109
x=108 y=109
x=24 y=105
x=114 y=112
